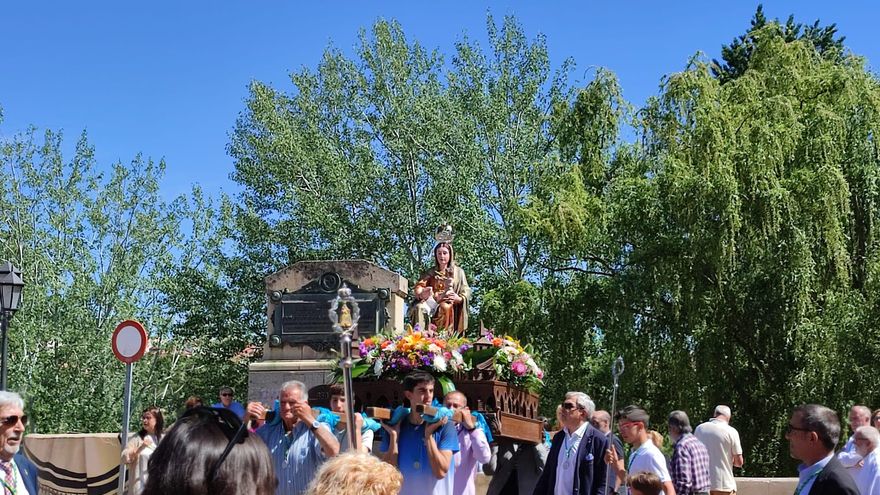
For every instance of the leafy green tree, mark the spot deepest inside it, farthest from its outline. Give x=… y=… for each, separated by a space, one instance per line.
x=366 y=156
x=97 y=247
x=739 y=230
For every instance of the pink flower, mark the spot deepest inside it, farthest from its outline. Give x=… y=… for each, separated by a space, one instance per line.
x=519 y=368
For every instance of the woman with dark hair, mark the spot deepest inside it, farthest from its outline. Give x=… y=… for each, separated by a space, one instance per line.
x=139 y=449
x=208 y=451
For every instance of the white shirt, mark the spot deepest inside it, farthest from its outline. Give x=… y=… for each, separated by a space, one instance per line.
x=648 y=459
x=722 y=442
x=848 y=455
x=20 y=488
x=868 y=479
x=566 y=462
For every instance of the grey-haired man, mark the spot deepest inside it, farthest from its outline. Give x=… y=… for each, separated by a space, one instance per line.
x=19 y=475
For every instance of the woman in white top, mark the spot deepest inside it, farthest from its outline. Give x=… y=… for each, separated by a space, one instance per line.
x=137 y=453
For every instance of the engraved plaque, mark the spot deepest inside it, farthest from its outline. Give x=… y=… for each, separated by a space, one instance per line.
x=301 y=317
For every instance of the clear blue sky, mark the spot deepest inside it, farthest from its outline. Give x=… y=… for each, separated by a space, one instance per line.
x=169 y=78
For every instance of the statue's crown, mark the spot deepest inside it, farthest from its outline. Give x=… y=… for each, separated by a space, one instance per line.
x=444 y=233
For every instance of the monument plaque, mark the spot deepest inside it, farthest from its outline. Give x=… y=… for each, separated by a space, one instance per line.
x=300 y=317
x=301 y=343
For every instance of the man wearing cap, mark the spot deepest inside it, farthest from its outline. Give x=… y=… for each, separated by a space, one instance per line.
x=633 y=423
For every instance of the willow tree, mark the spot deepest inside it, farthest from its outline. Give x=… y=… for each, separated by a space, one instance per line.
x=743 y=221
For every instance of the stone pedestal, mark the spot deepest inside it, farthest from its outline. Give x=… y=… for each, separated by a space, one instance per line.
x=309 y=357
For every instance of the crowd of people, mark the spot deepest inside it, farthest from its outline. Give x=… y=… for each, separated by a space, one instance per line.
x=228 y=448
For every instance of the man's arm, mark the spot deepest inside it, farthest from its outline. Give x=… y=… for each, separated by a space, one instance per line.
x=326 y=438
x=668 y=489
x=390 y=455
x=737 y=453
x=681 y=466
x=480 y=446
x=328 y=441
x=440 y=460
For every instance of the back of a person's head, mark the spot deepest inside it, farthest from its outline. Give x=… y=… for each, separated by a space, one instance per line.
x=183 y=459
x=645 y=483
x=356 y=474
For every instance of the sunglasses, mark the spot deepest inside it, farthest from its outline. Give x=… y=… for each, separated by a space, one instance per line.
x=569 y=406
x=13 y=420
x=225 y=395
x=790 y=428
x=231 y=426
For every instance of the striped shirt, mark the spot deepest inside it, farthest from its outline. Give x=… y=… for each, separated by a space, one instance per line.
x=689 y=467
x=296 y=456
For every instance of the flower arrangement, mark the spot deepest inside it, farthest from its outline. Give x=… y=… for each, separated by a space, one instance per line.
x=383 y=356
x=445 y=357
x=513 y=363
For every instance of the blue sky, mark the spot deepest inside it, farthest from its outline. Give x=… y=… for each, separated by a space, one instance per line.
x=168 y=79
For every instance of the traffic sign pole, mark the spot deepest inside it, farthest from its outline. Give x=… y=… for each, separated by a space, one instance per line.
x=126 y=418
x=129 y=343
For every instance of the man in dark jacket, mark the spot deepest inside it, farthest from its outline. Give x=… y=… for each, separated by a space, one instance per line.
x=812 y=433
x=17 y=474
x=575 y=464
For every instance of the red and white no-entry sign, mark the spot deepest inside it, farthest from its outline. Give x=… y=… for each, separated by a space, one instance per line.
x=129 y=341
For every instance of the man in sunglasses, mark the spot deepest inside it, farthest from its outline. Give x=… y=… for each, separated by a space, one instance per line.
x=574 y=464
x=633 y=423
x=298 y=443
x=17 y=474
x=812 y=433
x=227 y=401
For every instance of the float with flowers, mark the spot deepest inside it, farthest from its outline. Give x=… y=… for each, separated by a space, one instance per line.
x=500 y=377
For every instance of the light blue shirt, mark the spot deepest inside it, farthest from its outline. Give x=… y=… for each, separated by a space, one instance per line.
x=296 y=456
x=808 y=475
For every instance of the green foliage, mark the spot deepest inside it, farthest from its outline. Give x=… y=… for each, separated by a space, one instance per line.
x=366 y=156
x=742 y=227
x=96 y=247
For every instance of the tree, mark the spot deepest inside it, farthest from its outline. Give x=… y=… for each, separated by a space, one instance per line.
x=741 y=244
x=736 y=56
x=96 y=247
x=366 y=156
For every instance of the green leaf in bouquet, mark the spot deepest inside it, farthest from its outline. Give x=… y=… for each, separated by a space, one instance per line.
x=446 y=384
x=359 y=369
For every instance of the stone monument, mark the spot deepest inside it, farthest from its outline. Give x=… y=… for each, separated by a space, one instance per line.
x=300 y=340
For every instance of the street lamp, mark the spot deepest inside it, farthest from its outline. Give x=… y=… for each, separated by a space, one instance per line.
x=10 y=298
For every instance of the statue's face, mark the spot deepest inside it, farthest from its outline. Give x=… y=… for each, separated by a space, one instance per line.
x=442 y=255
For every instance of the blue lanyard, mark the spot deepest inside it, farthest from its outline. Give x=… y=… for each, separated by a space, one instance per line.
x=807 y=481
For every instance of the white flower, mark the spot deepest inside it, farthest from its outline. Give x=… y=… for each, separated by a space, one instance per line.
x=439 y=363
x=434 y=348
x=377 y=368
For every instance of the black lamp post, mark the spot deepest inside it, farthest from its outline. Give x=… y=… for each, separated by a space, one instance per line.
x=10 y=298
